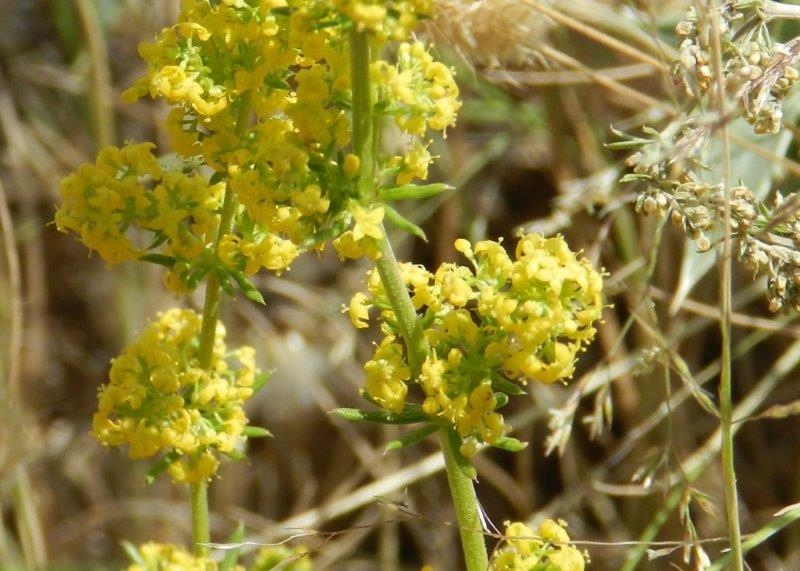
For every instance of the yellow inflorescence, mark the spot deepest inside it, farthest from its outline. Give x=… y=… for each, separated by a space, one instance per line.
x=168 y=557
x=548 y=549
x=286 y=63
x=282 y=557
x=503 y=319
x=261 y=94
x=395 y=19
x=127 y=189
x=159 y=401
x=422 y=92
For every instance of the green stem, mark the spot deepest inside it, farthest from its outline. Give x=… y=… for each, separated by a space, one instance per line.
x=407 y=319
x=208 y=330
x=467 y=508
x=725 y=392
x=461 y=487
x=363 y=116
x=201 y=534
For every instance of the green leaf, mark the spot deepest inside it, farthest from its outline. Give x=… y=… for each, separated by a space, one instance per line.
x=133 y=554
x=261 y=381
x=500 y=400
x=464 y=465
x=161 y=466
x=160 y=238
x=277 y=83
x=250 y=291
x=196 y=276
x=237 y=455
x=160 y=259
x=402 y=222
x=224 y=277
x=503 y=385
x=510 y=444
x=381 y=417
x=218 y=177
x=412 y=438
x=232 y=555
x=255 y=432
x=414 y=191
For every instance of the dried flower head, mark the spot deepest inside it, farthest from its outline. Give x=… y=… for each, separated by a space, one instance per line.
x=490 y=33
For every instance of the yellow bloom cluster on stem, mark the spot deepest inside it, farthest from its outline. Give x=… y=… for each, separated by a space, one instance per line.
x=499 y=321
x=159 y=401
x=168 y=557
x=547 y=549
x=154 y=556
x=261 y=95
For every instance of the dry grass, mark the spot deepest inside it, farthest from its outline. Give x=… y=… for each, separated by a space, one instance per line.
x=638 y=471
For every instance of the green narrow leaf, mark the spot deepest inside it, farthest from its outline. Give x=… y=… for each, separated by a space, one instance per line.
x=159 y=239
x=237 y=455
x=250 y=291
x=160 y=259
x=503 y=385
x=196 y=276
x=414 y=191
x=277 y=83
x=133 y=554
x=382 y=417
x=232 y=555
x=510 y=444
x=464 y=465
x=161 y=466
x=255 y=432
x=412 y=438
x=261 y=381
x=224 y=277
x=402 y=222
x=218 y=177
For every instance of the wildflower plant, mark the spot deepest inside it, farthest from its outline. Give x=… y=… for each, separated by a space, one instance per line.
x=275 y=107
x=489 y=328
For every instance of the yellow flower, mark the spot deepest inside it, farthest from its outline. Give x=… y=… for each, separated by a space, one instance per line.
x=385 y=375
x=367 y=222
x=523 y=319
x=170 y=557
x=359 y=311
x=547 y=549
x=158 y=400
x=415 y=164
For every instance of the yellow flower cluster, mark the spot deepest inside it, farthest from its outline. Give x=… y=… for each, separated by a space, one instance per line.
x=154 y=556
x=167 y=557
x=501 y=320
x=282 y=557
x=127 y=190
x=159 y=400
x=546 y=550
x=395 y=19
x=261 y=93
x=420 y=92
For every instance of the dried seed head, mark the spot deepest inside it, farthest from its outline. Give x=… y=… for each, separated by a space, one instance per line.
x=490 y=33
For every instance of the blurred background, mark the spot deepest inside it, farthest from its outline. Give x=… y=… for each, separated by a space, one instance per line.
x=634 y=454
